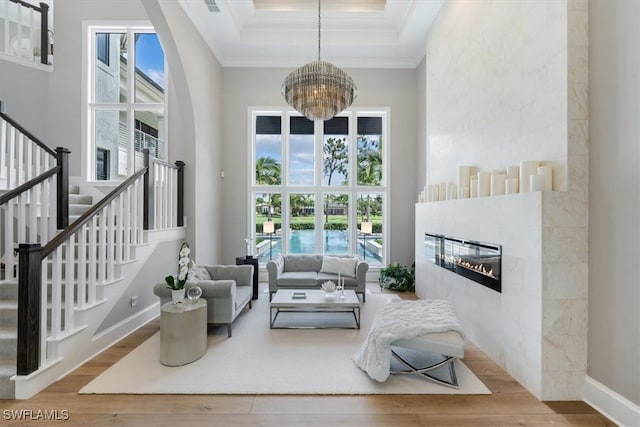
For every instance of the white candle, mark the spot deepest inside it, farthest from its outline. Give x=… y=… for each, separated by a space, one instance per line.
x=527 y=169
x=443 y=191
x=484 y=184
x=474 y=186
x=498 y=181
x=464 y=176
x=536 y=183
x=511 y=185
x=513 y=172
x=453 y=192
x=465 y=193
x=546 y=172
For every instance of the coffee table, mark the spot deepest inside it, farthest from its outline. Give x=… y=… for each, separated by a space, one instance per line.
x=314 y=301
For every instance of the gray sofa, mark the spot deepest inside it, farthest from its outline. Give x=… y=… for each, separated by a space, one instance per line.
x=304 y=272
x=227 y=289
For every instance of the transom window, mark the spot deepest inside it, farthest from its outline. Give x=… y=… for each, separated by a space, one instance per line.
x=126 y=100
x=319 y=187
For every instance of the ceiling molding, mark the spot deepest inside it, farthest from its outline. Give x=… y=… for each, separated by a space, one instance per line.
x=241 y=35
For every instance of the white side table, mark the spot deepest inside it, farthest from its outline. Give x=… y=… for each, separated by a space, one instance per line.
x=183 y=332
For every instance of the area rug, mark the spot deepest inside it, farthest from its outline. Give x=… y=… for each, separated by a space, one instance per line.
x=259 y=360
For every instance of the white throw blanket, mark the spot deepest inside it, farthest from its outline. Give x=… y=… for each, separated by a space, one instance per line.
x=402 y=319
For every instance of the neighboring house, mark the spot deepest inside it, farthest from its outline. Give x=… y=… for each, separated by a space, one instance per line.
x=207 y=128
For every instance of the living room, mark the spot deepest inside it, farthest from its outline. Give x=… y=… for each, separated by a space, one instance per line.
x=209 y=103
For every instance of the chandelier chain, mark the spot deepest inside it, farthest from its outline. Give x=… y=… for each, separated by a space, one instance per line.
x=318 y=30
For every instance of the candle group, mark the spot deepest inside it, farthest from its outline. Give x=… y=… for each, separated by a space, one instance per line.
x=528 y=176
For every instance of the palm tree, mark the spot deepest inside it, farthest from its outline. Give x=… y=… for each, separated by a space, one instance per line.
x=268 y=171
x=369 y=161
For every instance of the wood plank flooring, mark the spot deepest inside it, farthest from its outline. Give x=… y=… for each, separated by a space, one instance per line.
x=509 y=405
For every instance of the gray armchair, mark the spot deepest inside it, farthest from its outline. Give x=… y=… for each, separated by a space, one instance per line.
x=227 y=289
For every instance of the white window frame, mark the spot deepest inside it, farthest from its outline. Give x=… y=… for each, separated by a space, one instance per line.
x=319 y=189
x=90 y=28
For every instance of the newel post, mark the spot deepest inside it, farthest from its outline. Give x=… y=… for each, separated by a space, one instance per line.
x=148 y=183
x=180 y=191
x=44 y=33
x=29 y=297
x=62 y=159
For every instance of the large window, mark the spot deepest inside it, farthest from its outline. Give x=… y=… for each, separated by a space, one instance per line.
x=126 y=100
x=319 y=187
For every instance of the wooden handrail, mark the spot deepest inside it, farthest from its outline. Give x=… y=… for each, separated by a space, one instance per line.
x=28 y=185
x=93 y=211
x=39 y=143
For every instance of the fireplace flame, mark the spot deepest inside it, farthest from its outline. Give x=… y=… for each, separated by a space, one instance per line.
x=479 y=268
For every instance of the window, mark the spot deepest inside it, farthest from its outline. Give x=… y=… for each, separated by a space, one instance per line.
x=126 y=100
x=102 y=48
x=318 y=182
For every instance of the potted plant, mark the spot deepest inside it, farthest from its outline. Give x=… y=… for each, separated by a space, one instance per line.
x=176 y=283
x=398 y=278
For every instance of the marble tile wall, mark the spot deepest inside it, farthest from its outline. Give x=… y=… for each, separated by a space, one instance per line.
x=506 y=82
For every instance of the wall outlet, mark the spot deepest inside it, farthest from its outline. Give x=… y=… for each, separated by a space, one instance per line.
x=133 y=301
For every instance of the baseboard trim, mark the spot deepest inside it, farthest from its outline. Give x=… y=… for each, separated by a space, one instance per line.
x=617 y=408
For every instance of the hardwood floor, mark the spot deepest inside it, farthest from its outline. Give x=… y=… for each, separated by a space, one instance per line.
x=509 y=405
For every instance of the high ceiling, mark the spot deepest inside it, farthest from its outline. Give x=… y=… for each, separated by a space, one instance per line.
x=284 y=33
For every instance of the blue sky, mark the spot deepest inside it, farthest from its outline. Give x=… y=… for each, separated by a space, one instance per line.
x=150 y=57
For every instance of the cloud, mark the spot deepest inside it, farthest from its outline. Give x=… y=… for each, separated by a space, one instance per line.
x=156 y=75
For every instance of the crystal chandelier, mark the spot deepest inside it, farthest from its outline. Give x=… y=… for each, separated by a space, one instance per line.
x=319 y=90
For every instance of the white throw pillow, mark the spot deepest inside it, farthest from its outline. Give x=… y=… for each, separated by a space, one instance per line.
x=339 y=265
x=200 y=273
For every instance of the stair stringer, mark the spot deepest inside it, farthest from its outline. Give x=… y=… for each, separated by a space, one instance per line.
x=81 y=346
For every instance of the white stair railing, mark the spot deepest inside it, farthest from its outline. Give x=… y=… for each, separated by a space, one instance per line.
x=77 y=269
x=25 y=30
x=30 y=215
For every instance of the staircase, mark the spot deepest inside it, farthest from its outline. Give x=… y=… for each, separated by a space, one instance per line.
x=78 y=204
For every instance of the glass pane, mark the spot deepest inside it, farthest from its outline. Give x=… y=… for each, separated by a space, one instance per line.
x=335 y=149
x=148 y=133
x=150 y=77
x=369 y=150
x=301 y=151
x=267 y=243
x=268 y=150
x=302 y=238
x=336 y=224
x=110 y=131
x=370 y=239
x=111 y=67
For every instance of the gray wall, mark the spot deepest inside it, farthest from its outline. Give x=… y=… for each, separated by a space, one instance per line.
x=252 y=87
x=614 y=213
x=195 y=134
x=24 y=91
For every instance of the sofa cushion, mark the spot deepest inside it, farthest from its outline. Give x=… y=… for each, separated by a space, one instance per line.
x=301 y=279
x=339 y=265
x=302 y=263
x=200 y=273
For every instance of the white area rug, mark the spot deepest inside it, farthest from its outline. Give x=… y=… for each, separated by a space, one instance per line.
x=259 y=360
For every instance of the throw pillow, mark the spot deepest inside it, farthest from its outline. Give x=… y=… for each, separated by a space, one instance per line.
x=339 y=265
x=199 y=273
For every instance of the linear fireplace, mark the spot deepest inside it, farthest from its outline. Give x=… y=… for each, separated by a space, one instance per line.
x=477 y=261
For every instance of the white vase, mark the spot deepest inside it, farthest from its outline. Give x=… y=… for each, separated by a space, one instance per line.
x=177 y=295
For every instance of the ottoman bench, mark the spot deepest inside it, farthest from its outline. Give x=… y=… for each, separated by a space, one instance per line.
x=422 y=326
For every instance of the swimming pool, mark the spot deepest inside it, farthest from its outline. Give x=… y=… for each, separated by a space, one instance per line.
x=336 y=242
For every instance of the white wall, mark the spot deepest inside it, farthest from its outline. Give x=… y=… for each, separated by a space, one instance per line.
x=494 y=101
x=506 y=82
x=246 y=87
x=614 y=211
